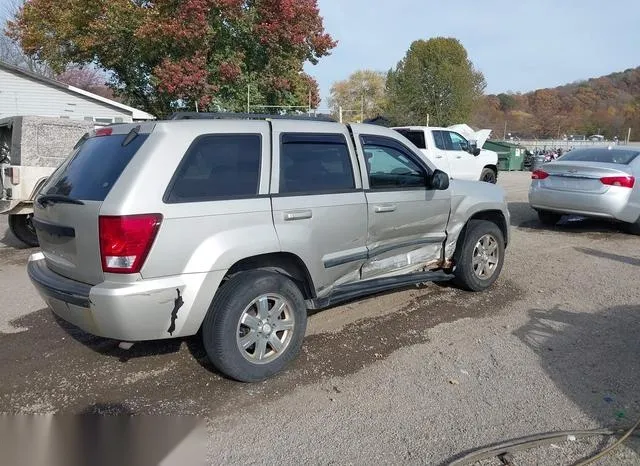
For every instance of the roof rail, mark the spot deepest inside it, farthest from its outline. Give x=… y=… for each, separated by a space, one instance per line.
x=245 y=116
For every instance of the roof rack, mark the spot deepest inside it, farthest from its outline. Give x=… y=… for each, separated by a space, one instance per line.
x=245 y=116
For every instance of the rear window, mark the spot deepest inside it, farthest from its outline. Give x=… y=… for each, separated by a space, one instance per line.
x=93 y=169
x=216 y=167
x=619 y=156
x=416 y=137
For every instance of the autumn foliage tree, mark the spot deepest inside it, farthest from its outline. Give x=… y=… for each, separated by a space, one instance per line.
x=608 y=105
x=165 y=52
x=361 y=96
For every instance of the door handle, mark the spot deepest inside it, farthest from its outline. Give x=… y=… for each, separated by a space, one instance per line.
x=297 y=215
x=385 y=208
x=458 y=156
x=438 y=156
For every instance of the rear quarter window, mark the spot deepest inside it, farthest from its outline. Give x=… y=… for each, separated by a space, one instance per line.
x=416 y=137
x=94 y=167
x=217 y=167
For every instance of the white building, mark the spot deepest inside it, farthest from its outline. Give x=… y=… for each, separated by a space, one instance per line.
x=24 y=93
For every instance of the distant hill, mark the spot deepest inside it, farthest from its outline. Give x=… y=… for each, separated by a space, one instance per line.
x=608 y=105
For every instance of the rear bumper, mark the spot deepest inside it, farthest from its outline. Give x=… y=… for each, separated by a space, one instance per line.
x=128 y=311
x=613 y=204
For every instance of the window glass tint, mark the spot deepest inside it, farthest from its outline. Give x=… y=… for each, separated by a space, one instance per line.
x=458 y=142
x=619 y=156
x=93 y=169
x=218 y=166
x=314 y=164
x=439 y=137
x=416 y=137
x=390 y=168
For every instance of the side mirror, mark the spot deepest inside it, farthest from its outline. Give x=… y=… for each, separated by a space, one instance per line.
x=473 y=148
x=439 y=181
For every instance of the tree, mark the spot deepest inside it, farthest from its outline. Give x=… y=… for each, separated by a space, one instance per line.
x=164 y=53
x=10 y=51
x=361 y=96
x=87 y=78
x=435 y=81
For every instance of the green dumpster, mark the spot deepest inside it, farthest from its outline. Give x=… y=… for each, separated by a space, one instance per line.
x=510 y=156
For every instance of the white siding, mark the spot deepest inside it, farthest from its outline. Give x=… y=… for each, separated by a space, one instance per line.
x=21 y=95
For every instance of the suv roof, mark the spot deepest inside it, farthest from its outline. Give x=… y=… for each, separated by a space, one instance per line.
x=245 y=116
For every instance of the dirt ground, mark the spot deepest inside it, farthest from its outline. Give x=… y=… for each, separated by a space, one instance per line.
x=416 y=376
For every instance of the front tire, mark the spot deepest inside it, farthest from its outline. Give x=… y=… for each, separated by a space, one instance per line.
x=255 y=325
x=22 y=228
x=479 y=260
x=489 y=175
x=548 y=218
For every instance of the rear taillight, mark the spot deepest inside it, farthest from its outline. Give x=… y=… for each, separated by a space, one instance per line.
x=539 y=175
x=622 y=181
x=125 y=241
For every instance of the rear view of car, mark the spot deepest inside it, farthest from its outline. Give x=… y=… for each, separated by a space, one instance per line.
x=594 y=182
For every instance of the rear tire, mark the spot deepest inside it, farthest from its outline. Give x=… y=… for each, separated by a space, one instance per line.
x=22 y=228
x=479 y=260
x=548 y=218
x=634 y=228
x=489 y=175
x=255 y=325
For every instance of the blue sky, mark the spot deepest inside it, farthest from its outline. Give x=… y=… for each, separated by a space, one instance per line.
x=518 y=45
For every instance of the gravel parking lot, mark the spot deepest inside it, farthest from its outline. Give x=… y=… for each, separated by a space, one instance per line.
x=415 y=376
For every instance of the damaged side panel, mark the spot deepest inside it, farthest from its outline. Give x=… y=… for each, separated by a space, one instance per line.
x=424 y=258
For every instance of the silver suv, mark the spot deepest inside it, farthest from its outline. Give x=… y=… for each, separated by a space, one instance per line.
x=236 y=226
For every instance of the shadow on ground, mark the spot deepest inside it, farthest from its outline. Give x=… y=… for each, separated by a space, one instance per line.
x=610 y=256
x=55 y=367
x=593 y=359
x=10 y=240
x=523 y=216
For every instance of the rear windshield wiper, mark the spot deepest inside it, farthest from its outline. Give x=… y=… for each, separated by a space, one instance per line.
x=131 y=136
x=50 y=199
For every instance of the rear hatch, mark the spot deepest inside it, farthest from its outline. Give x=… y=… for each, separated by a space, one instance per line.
x=580 y=176
x=67 y=209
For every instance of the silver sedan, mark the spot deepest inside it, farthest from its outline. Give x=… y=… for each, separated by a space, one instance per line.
x=594 y=182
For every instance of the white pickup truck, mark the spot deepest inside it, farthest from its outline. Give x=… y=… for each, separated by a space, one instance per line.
x=456 y=150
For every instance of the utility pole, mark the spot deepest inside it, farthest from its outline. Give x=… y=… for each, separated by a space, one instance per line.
x=309 y=101
x=248 y=97
x=340 y=112
x=428 y=120
x=504 y=138
x=628 y=135
x=362 y=108
x=196 y=106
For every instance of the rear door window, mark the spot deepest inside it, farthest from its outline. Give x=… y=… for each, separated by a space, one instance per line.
x=315 y=164
x=441 y=138
x=94 y=168
x=217 y=167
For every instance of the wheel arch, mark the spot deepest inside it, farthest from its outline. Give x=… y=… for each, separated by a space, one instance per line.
x=494 y=216
x=285 y=263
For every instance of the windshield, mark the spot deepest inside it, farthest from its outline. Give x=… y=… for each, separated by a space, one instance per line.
x=94 y=167
x=416 y=137
x=619 y=156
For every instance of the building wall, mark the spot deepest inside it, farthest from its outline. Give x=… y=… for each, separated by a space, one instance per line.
x=22 y=95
